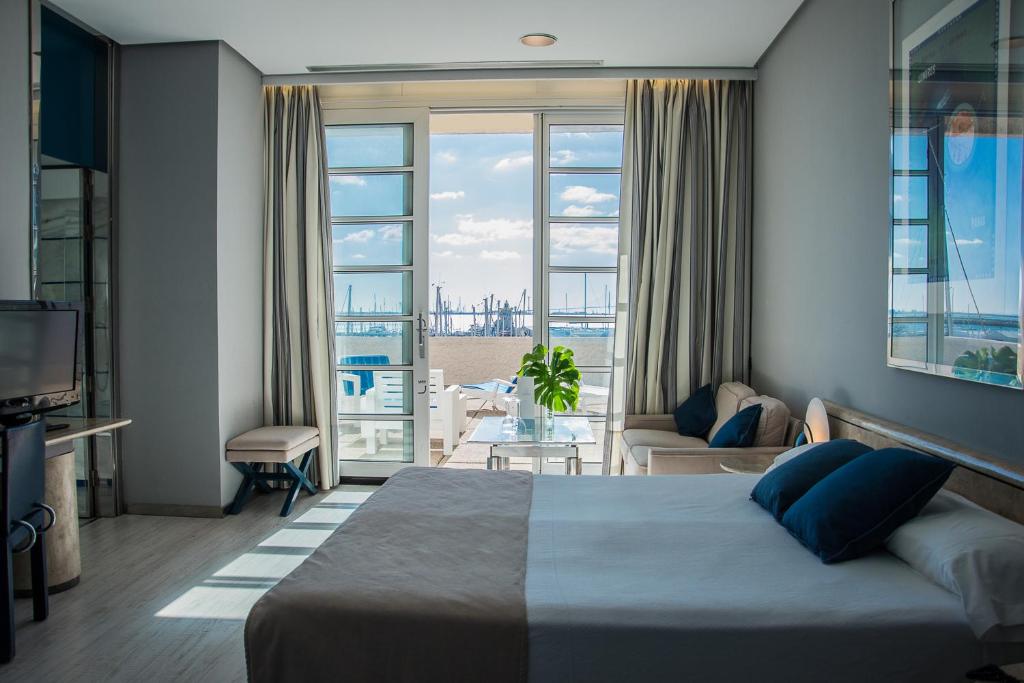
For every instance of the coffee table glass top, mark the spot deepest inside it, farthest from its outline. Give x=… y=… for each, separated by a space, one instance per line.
x=564 y=430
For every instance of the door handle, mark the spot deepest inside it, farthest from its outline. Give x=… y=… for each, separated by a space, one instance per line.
x=425 y=387
x=421 y=326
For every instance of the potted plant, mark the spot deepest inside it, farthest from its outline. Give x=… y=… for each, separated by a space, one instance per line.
x=556 y=379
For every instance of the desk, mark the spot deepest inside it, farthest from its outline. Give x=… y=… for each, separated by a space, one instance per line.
x=63 y=555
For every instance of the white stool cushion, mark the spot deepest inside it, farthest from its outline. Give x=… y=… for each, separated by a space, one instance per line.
x=272 y=439
x=272 y=444
x=273 y=456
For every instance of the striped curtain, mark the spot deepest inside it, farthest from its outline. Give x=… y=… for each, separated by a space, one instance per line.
x=298 y=292
x=683 y=315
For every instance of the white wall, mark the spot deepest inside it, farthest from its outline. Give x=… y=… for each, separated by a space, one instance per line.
x=190 y=265
x=821 y=233
x=15 y=180
x=239 y=252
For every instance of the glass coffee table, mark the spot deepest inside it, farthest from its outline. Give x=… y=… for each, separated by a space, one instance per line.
x=532 y=438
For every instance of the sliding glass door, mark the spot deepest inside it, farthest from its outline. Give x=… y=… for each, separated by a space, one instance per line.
x=378 y=189
x=579 y=220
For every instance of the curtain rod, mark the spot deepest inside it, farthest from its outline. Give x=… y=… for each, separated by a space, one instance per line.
x=579 y=73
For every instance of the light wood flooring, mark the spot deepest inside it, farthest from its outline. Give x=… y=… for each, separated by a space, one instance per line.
x=165 y=598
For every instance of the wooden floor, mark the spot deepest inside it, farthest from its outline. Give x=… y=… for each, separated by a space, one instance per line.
x=165 y=598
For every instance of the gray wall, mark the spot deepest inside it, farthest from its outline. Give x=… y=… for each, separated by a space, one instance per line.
x=821 y=236
x=14 y=150
x=191 y=150
x=239 y=252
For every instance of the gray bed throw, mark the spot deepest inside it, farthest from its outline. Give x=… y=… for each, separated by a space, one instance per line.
x=406 y=590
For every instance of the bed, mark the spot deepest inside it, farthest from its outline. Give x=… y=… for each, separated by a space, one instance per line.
x=500 y=576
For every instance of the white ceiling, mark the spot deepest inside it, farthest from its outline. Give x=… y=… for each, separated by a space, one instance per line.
x=286 y=36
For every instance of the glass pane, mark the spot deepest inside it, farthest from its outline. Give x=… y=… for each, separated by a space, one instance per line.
x=369 y=146
x=910 y=152
x=584 y=244
x=582 y=294
x=374 y=392
x=373 y=343
x=910 y=197
x=373 y=294
x=375 y=440
x=371 y=194
x=591 y=343
x=592 y=145
x=910 y=296
x=577 y=195
x=910 y=246
x=373 y=244
x=594 y=392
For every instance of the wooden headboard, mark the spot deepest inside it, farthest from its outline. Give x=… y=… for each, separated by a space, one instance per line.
x=992 y=483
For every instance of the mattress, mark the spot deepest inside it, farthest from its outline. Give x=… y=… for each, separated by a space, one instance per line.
x=684 y=578
x=443 y=575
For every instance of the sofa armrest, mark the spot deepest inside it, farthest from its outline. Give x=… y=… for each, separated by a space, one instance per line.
x=704 y=460
x=665 y=423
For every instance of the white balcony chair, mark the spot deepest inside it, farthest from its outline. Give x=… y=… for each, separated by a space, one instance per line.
x=490 y=392
x=447 y=412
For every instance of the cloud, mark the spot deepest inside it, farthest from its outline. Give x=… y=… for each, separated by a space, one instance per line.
x=585 y=195
x=357 y=256
x=469 y=230
x=519 y=160
x=392 y=233
x=573 y=210
x=499 y=255
x=563 y=157
x=970 y=243
x=598 y=239
x=449 y=194
x=349 y=180
x=444 y=254
x=361 y=236
x=446 y=157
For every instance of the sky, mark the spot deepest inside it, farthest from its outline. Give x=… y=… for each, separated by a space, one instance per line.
x=481 y=217
x=990 y=251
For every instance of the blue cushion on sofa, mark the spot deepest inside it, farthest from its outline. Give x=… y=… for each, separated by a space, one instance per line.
x=853 y=510
x=740 y=430
x=696 y=415
x=784 y=485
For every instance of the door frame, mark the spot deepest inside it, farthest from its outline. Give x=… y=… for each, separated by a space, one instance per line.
x=419 y=119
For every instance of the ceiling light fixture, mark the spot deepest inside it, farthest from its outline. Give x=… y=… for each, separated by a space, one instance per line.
x=538 y=40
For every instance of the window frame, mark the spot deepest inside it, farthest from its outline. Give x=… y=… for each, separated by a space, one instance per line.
x=543 y=220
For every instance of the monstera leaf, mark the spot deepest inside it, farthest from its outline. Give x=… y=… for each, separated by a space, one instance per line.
x=988 y=364
x=556 y=382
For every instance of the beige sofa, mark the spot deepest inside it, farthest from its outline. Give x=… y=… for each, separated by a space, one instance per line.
x=651 y=444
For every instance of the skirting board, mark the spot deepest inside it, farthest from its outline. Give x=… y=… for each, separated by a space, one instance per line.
x=164 y=510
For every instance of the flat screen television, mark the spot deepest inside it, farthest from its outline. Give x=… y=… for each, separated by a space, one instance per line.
x=39 y=363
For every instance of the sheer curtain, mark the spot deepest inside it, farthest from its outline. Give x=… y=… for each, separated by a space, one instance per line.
x=683 y=295
x=298 y=292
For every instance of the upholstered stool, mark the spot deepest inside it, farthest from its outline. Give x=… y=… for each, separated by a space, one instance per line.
x=251 y=452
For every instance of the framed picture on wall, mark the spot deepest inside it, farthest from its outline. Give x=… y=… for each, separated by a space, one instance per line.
x=957 y=175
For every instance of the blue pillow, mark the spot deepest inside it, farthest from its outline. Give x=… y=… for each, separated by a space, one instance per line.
x=740 y=430
x=785 y=484
x=853 y=510
x=696 y=415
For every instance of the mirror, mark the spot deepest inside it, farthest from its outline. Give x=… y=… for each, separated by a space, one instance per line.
x=957 y=136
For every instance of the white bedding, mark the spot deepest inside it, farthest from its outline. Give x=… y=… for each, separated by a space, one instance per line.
x=684 y=578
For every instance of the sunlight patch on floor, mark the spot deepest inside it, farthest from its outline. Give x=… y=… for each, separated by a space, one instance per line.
x=231 y=591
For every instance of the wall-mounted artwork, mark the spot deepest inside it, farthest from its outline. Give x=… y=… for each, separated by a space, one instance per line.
x=955 y=258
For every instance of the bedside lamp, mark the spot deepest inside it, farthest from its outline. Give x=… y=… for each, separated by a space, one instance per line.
x=816 y=422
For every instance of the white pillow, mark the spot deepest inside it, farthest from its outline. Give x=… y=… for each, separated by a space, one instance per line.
x=973 y=553
x=786 y=456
